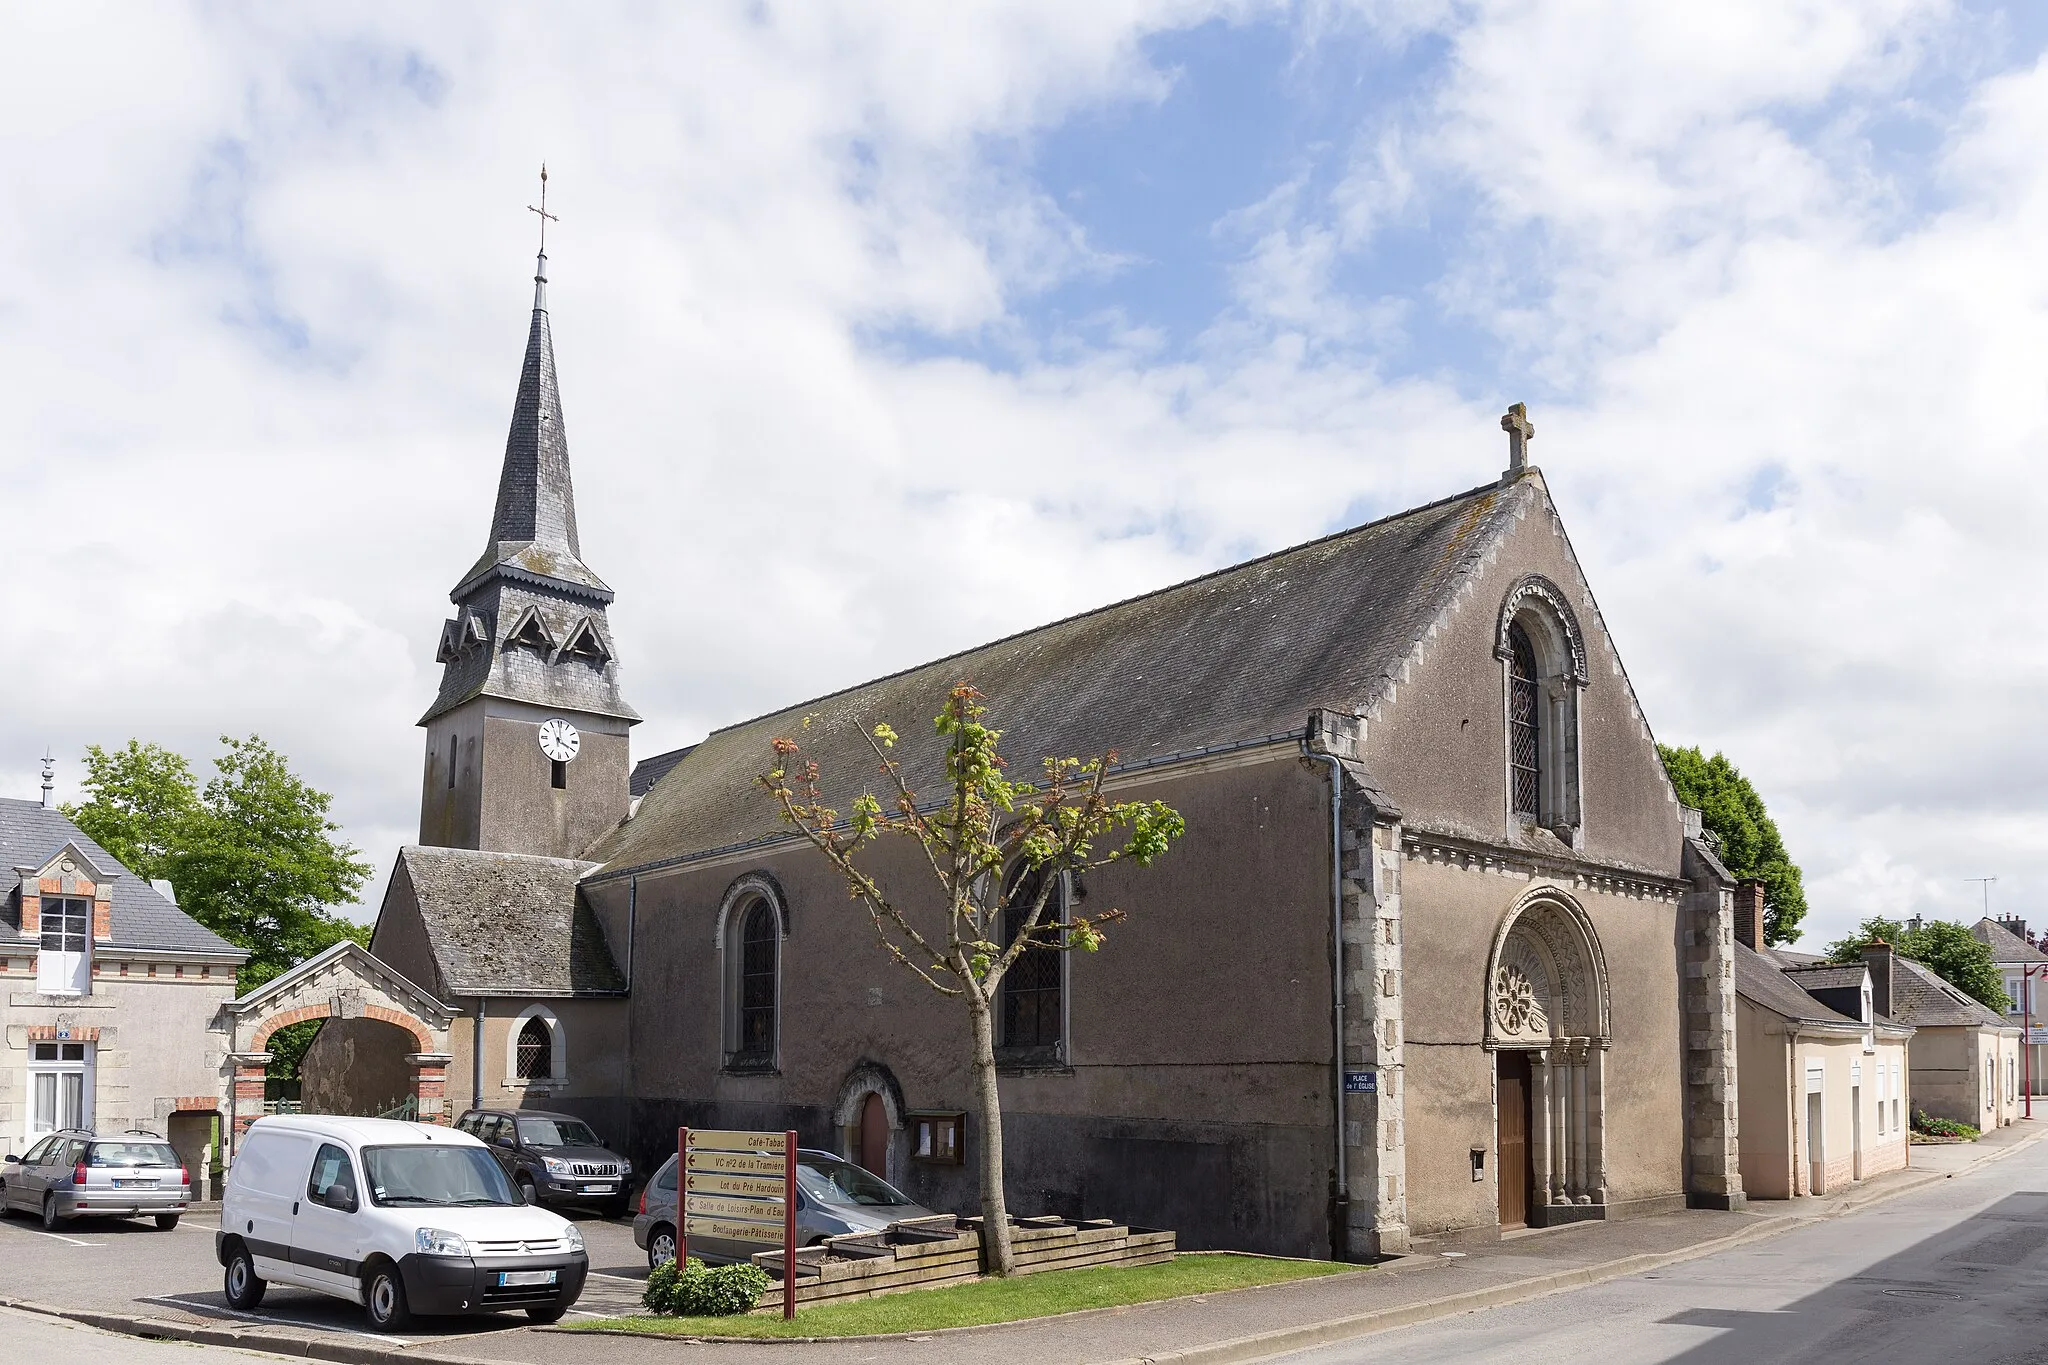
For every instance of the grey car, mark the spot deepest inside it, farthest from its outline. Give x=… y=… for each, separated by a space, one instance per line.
x=77 y=1175
x=834 y=1196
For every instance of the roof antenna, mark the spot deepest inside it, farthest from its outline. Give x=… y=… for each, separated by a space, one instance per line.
x=49 y=781
x=540 y=269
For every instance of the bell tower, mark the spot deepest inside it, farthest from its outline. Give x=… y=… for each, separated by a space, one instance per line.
x=527 y=741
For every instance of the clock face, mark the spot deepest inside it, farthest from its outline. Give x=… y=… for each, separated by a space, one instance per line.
x=559 y=740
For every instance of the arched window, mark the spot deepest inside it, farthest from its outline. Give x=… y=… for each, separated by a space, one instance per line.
x=757 y=982
x=750 y=938
x=1525 y=724
x=536 y=1059
x=1032 y=1020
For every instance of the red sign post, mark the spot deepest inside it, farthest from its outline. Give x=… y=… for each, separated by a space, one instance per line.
x=738 y=1187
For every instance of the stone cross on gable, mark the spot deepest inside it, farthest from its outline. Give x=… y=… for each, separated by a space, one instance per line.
x=1515 y=422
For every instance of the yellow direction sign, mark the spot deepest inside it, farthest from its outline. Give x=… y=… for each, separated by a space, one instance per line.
x=756 y=1186
x=712 y=1139
x=718 y=1206
x=734 y=1230
x=737 y=1163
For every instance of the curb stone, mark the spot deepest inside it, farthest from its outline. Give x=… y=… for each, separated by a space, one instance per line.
x=245 y=1338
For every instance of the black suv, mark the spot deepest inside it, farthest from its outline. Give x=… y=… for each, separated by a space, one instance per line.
x=554 y=1158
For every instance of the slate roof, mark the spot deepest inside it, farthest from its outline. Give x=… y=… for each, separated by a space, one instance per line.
x=509 y=923
x=1763 y=982
x=1924 y=1000
x=649 y=771
x=1234 y=656
x=143 y=917
x=1828 y=976
x=2005 y=945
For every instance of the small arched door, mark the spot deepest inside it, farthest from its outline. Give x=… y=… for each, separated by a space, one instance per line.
x=874 y=1136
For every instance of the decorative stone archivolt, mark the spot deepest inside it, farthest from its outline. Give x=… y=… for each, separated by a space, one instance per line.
x=1555 y=614
x=1547 y=996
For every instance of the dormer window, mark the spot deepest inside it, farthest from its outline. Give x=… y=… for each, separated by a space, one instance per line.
x=64 y=956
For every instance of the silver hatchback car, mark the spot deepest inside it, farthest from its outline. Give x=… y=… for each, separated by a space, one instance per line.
x=834 y=1196
x=76 y=1175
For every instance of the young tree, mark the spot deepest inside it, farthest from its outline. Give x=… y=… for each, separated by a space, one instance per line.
x=1951 y=951
x=1750 y=845
x=252 y=856
x=992 y=847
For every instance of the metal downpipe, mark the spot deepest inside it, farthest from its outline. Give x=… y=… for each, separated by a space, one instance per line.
x=1341 y=1200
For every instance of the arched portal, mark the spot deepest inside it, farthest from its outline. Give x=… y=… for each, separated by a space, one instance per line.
x=1547 y=1013
x=342 y=983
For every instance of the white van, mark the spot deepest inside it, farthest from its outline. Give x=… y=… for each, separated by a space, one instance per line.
x=402 y=1218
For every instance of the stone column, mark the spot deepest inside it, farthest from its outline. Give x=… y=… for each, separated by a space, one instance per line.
x=1713 y=1155
x=430 y=1083
x=1582 y=1174
x=245 y=1096
x=1543 y=1098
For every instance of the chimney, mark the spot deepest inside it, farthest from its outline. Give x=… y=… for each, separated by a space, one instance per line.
x=1749 y=914
x=1877 y=955
x=2014 y=925
x=49 y=781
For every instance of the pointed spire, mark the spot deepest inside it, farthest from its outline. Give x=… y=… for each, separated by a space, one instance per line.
x=536 y=500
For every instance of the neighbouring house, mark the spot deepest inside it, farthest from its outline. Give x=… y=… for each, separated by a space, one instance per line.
x=1825 y=1081
x=1965 y=1056
x=2022 y=963
x=111 y=993
x=1440 y=954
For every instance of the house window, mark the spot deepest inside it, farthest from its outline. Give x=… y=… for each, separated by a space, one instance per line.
x=935 y=1138
x=536 y=1059
x=1033 y=1004
x=60 y=1086
x=1525 y=707
x=63 y=964
x=753 y=968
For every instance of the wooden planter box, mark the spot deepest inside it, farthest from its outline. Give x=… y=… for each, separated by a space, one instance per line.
x=926 y=1253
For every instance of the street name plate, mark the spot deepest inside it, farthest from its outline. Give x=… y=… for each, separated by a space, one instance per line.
x=759 y=1187
x=719 y=1206
x=734 y=1230
x=716 y=1140
x=1361 y=1082
x=737 y=1163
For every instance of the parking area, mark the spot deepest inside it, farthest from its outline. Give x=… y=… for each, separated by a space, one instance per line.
x=128 y=1266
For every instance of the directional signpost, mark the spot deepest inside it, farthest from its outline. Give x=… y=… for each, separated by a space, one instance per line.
x=739 y=1187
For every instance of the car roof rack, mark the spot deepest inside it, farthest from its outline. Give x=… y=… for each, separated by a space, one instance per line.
x=142 y=1132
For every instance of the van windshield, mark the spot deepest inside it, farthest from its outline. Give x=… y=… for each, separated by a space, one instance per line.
x=436 y=1174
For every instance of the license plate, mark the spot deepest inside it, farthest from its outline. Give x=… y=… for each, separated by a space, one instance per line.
x=507 y=1278
x=597 y=1189
x=134 y=1184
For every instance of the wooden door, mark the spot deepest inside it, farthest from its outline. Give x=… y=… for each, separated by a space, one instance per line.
x=874 y=1136
x=1512 y=1174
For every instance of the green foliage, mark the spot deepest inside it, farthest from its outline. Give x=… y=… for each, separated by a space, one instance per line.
x=1950 y=950
x=695 y=1291
x=252 y=855
x=1924 y=1122
x=1750 y=845
x=287 y=1048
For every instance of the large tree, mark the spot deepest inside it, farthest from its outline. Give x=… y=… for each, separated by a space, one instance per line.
x=1950 y=950
x=1732 y=810
x=992 y=855
x=252 y=855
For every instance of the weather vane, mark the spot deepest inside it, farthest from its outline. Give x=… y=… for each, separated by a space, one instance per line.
x=545 y=216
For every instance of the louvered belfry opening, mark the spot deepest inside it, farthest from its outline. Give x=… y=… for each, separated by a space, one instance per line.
x=1031 y=988
x=1524 y=740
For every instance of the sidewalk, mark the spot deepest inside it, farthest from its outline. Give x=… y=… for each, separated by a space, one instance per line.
x=1219 y=1329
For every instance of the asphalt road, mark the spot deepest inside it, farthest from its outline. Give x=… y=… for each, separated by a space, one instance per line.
x=128 y=1266
x=1957 y=1271
x=32 y=1339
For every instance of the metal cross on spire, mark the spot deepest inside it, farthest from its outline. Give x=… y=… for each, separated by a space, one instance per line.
x=540 y=272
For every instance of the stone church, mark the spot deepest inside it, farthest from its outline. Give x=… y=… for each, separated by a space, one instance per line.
x=1438 y=955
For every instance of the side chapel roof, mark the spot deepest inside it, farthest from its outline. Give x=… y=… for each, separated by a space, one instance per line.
x=509 y=923
x=143 y=917
x=1241 y=654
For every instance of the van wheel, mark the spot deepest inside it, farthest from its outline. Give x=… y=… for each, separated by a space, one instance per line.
x=166 y=1221
x=244 y=1290
x=545 y=1313
x=50 y=1219
x=384 y=1298
x=661 y=1245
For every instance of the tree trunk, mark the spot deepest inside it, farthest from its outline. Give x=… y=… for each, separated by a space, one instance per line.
x=995 y=1210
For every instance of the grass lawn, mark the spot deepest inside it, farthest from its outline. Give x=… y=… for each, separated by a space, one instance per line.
x=969 y=1305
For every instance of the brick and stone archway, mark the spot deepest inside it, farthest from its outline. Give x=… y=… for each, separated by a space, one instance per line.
x=344 y=982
